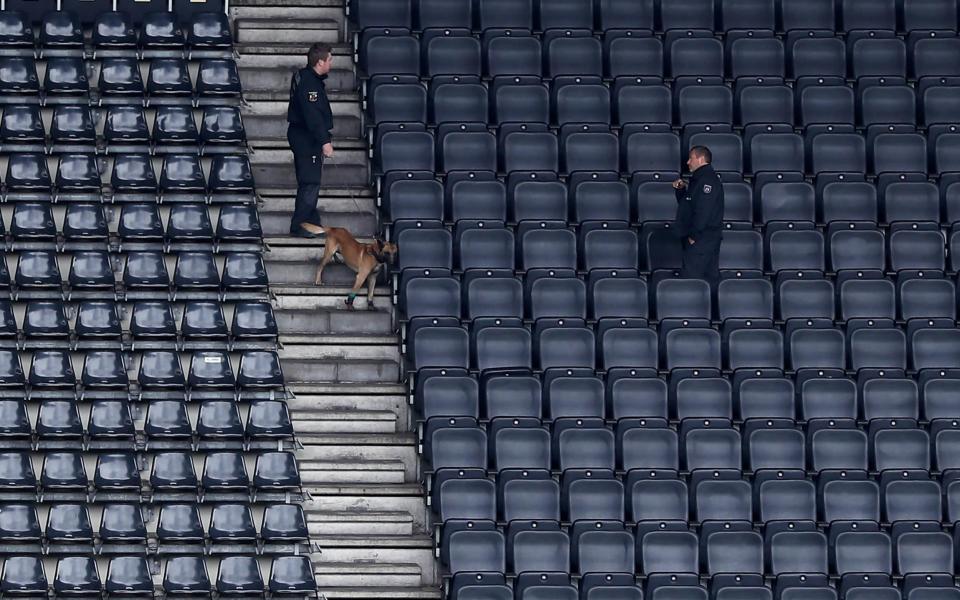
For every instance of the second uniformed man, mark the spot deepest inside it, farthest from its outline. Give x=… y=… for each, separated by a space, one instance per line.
x=700 y=218
x=309 y=133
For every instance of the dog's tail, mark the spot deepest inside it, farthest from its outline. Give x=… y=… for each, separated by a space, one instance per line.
x=315 y=229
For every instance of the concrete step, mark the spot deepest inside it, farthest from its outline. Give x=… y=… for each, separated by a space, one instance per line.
x=297 y=265
x=375 y=452
x=335 y=389
x=381 y=550
x=273 y=82
x=383 y=593
x=353 y=471
x=338 y=363
x=288 y=9
x=283 y=175
x=339 y=6
x=355 y=574
x=266 y=68
x=323 y=523
x=266 y=118
x=403 y=498
x=358 y=215
x=303 y=406
x=293 y=30
x=345 y=421
x=334 y=319
x=274 y=127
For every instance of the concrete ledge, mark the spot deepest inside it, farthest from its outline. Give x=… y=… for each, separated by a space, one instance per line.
x=383 y=593
x=338 y=4
x=347 y=421
x=333 y=388
x=383 y=457
x=305 y=404
x=324 y=524
x=404 y=498
x=299 y=326
x=260 y=72
x=349 y=371
x=353 y=471
x=351 y=573
x=282 y=175
x=421 y=557
x=303 y=30
x=329 y=192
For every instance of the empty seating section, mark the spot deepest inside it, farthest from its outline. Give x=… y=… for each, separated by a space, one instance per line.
x=147 y=447
x=593 y=426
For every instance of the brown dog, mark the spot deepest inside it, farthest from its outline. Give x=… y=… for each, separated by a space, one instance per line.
x=367 y=260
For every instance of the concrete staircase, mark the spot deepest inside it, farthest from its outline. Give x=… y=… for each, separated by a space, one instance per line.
x=351 y=413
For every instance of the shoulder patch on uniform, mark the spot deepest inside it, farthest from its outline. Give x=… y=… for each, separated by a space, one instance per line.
x=313 y=96
x=707 y=189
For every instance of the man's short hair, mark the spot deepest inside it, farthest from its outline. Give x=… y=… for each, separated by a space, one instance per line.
x=318 y=52
x=702 y=152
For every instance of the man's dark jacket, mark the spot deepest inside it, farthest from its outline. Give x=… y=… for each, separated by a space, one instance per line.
x=310 y=123
x=700 y=207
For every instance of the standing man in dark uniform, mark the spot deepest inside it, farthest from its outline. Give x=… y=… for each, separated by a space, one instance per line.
x=700 y=218
x=309 y=133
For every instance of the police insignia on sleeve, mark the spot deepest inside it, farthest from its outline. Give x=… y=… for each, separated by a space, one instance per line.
x=313 y=96
x=707 y=189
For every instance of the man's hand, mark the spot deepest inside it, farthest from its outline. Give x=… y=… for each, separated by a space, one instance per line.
x=691 y=241
x=328 y=150
x=679 y=184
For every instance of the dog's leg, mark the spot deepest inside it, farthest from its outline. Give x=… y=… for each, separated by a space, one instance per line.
x=357 y=284
x=371 y=286
x=329 y=250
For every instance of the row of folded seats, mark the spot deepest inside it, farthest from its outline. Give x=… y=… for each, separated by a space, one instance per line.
x=91 y=273
x=169 y=424
x=832 y=449
x=812 y=345
x=610 y=302
x=34 y=11
x=865 y=564
x=117 y=32
x=639 y=104
x=797 y=205
x=121 y=129
x=465 y=203
x=722 y=16
x=83 y=177
x=117 y=527
x=66 y=80
x=170 y=472
x=144 y=226
x=868 y=57
x=757 y=398
x=587 y=152
x=144 y=324
x=52 y=371
x=132 y=576
x=577 y=500
x=612 y=249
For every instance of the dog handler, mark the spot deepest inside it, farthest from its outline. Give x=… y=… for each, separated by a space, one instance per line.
x=700 y=218
x=309 y=133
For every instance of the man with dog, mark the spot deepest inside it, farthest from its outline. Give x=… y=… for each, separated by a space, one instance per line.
x=310 y=135
x=699 y=221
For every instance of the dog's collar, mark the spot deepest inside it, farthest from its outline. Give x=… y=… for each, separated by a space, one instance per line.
x=376 y=254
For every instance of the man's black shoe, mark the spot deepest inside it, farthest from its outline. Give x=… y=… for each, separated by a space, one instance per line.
x=303 y=233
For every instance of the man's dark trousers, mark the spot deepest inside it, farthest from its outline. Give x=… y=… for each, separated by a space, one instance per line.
x=308 y=162
x=702 y=260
